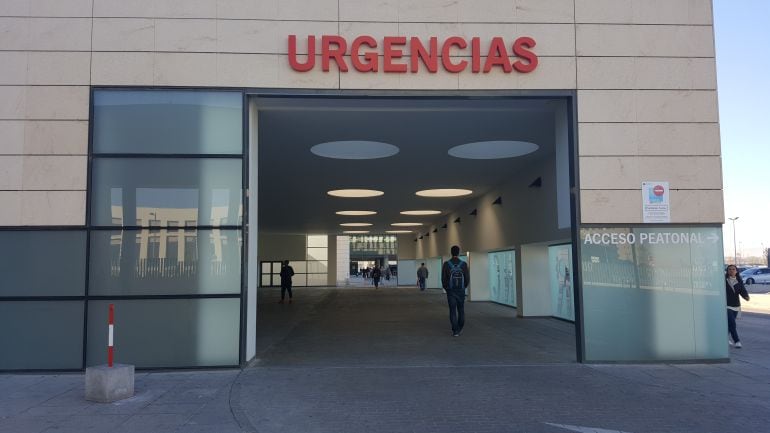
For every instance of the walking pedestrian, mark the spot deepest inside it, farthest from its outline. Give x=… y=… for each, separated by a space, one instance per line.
x=376 y=274
x=455 y=278
x=422 y=275
x=286 y=273
x=734 y=288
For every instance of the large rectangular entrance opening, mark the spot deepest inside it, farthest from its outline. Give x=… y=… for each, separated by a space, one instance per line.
x=509 y=158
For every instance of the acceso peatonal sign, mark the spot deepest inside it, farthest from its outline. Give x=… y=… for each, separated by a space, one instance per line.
x=672 y=237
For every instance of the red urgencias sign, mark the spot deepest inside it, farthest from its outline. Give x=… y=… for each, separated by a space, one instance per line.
x=364 y=56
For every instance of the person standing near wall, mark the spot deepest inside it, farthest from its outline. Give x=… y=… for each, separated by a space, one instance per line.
x=422 y=275
x=286 y=273
x=733 y=288
x=455 y=278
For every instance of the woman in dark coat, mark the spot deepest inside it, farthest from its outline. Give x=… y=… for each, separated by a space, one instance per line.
x=733 y=289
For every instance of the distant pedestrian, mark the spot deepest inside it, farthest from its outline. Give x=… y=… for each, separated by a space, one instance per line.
x=734 y=288
x=386 y=272
x=286 y=273
x=376 y=274
x=422 y=275
x=455 y=278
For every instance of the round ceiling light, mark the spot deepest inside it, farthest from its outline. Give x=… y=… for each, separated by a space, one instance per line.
x=446 y=192
x=420 y=212
x=355 y=232
x=398 y=232
x=356 y=212
x=356 y=224
x=493 y=149
x=355 y=193
x=354 y=149
x=406 y=224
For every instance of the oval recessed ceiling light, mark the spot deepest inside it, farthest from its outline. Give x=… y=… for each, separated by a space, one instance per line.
x=355 y=232
x=420 y=212
x=446 y=192
x=356 y=224
x=355 y=193
x=406 y=224
x=356 y=212
x=398 y=232
x=354 y=149
x=493 y=149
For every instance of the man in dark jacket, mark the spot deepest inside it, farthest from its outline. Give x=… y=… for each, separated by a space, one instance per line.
x=286 y=273
x=455 y=278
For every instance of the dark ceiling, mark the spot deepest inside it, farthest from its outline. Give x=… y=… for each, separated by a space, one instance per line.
x=293 y=181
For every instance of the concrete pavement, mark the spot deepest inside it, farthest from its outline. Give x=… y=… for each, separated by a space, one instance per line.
x=354 y=361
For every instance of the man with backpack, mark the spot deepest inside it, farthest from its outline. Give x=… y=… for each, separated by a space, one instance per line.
x=455 y=277
x=286 y=273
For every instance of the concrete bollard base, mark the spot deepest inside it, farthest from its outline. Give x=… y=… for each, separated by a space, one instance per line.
x=107 y=384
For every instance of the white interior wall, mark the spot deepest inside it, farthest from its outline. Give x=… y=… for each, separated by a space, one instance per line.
x=479 y=267
x=534 y=288
x=331 y=264
x=407 y=272
x=252 y=266
x=434 y=272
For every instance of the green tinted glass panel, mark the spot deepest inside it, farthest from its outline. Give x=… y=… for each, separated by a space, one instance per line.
x=653 y=293
x=167 y=332
x=167 y=122
x=560 y=278
x=41 y=335
x=42 y=263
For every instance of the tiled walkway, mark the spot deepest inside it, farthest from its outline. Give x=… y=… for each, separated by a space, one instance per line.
x=361 y=361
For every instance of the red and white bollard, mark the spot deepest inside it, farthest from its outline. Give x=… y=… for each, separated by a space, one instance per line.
x=111 y=382
x=111 y=325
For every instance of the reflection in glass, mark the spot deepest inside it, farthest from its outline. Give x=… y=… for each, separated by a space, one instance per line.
x=317 y=254
x=153 y=262
x=163 y=192
x=317 y=241
x=653 y=293
x=560 y=275
x=42 y=263
x=167 y=122
x=502 y=277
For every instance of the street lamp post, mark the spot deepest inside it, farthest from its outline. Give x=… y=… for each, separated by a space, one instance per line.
x=735 y=249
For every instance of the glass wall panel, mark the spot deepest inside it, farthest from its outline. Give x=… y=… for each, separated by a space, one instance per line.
x=166 y=333
x=502 y=277
x=121 y=263
x=166 y=192
x=560 y=275
x=299 y=280
x=167 y=121
x=317 y=267
x=41 y=335
x=42 y=263
x=300 y=267
x=653 y=294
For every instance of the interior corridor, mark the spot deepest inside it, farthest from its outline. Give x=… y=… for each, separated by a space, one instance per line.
x=364 y=327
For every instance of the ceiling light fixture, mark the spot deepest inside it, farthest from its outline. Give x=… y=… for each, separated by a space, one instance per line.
x=406 y=224
x=355 y=193
x=498 y=149
x=445 y=192
x=356 y=212
x=398 y=232
x=356 y=224
x=354 y=149
x=355 y=232
x=420 y=212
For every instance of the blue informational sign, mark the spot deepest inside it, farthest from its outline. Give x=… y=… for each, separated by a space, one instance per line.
x=502 y=277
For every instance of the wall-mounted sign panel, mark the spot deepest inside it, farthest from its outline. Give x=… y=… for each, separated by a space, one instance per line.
x=502 y=277
x=560 y=276
x=656 y=206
